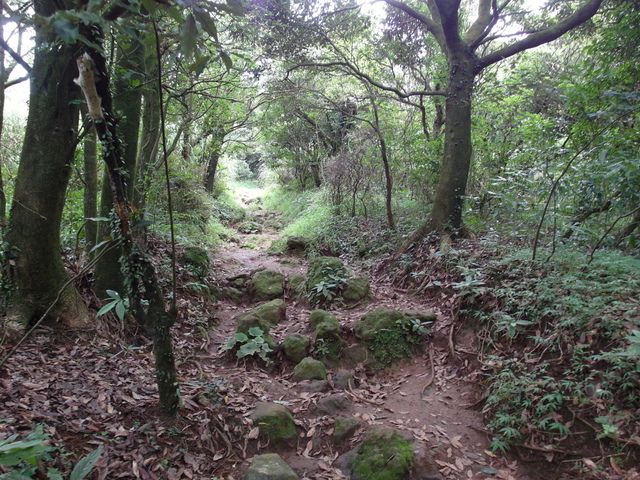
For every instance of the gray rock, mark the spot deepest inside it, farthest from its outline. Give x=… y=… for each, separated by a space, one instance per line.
x=333 y=404
x=345 y=427
x=275 y=422
x=296 y=347
x=269 y=467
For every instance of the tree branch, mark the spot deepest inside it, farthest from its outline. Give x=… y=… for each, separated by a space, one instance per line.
x=357 y=73
x=15 y=56
x=485 y=16
x=581 y=15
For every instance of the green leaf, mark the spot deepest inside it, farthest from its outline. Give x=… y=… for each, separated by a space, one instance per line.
x=248 y=349
x=256 y=332
x=113 y=294
x=150 y=5
x=67 y=31
x=107 y=308
x=120 y=311
x=85 y=465
x=226 y=59
x=188 y=36
x=207 y=23
x=235 y=7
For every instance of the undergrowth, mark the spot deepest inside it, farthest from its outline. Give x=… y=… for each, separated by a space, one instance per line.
x=560 y=341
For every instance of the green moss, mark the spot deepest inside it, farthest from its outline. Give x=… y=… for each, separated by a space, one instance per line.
x=383 y=455
x=322 y=316
x=268 y=284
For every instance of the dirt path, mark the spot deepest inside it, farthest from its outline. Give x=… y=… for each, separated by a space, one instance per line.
x=429 y=399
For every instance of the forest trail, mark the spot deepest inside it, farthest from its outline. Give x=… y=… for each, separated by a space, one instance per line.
x=432 y=400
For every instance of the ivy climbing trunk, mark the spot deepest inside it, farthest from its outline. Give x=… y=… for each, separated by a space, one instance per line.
x=43 y=175
x=128 y=100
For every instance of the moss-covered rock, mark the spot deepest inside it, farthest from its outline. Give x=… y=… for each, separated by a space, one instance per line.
x=249 y=227
x=270 y=466
x=275 y=422
x=322 y=316
x=344 y=427
x=328 y=344
x=391 y=335
x=371 y=323
x=309 y=369
x=196 y=259
x=297 y=243
x=297 y=286
x=268 y=284
x=356 y=289
x=296 y=347
x=270 y=313
x=382 y=455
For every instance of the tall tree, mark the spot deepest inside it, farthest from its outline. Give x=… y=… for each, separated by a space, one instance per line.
x=50 y=140
x=468 y=51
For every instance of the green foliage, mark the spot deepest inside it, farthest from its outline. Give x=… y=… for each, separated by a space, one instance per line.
x=116 y=303
x=25 y=456
x=400 y=341
x=569 y=333
x=249 y=344
x=329 y=288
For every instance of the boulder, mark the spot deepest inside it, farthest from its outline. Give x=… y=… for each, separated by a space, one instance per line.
x=382 y=455
x=325 y=279
x=333 y=404
x=345 y=427
x=322 y=316
x=310 y=369
x=357 y=289
x=296 y=347
x=297 y=243
x=263 y=316
x=342 y=378
x=371 y=323
x=270 y=466
x=268 y=284
x=275 y=422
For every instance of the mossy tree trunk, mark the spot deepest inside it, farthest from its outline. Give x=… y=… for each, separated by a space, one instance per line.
x=43 y=175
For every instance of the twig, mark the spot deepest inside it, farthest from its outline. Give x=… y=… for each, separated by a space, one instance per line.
x=350 y=391
x=433 y=370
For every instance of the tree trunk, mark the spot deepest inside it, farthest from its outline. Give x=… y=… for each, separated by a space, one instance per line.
x=127 y=100
x=446 y=213
x=150 y=135
x=217 y=140
x=41 y=183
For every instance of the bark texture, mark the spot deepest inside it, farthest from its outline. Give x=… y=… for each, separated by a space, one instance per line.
x=43 y=175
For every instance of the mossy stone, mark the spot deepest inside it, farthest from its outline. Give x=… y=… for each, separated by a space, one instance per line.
x=344 y=427
x=382 y=455
x=269 y=466
x=270 y=313
x=420 y=315
x=249 y=227
x=297 y=243
x=309 y=369
x=356 y=290
x=322 y=316
x=275 y=422
x=380 y=318
x=268 y=284
x=296 y=347
x=343 y=378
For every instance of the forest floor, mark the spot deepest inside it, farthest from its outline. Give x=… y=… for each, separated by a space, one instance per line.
x=100 y=391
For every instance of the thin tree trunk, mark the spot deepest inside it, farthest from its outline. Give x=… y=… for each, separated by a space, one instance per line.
x=90 y=187
x=127 y=100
